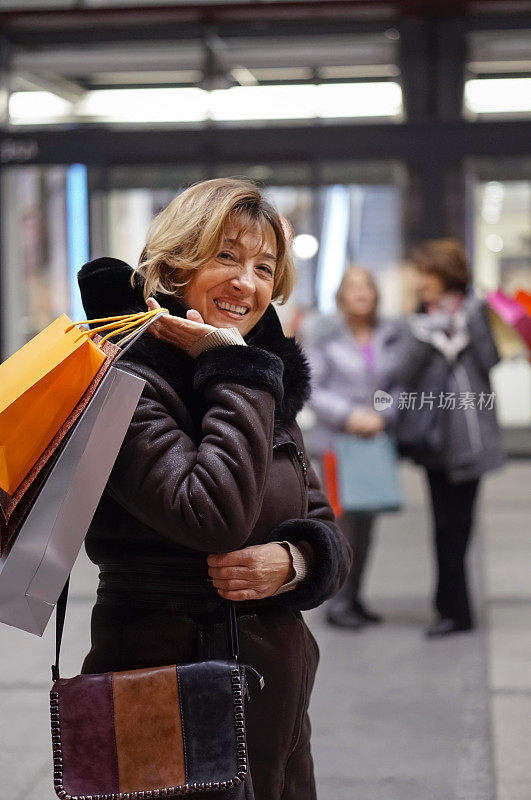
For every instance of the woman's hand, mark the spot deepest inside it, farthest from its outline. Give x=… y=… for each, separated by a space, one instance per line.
x=364 y=422
x=178 y=331
x=251 y=573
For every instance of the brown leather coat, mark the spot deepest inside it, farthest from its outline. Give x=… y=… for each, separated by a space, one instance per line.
x=213 y=461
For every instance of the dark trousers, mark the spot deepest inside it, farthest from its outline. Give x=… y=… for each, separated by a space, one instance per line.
x=453 y=516
x=357 y=528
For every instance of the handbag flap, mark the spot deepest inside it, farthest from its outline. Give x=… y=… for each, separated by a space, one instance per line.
x=149 y=733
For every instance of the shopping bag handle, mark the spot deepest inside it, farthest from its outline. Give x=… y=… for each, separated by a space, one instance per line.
x=131 y=337
x=132 y=325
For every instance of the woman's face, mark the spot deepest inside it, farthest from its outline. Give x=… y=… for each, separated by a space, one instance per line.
x=236 y=286
x=357 y=296
x=430 y=287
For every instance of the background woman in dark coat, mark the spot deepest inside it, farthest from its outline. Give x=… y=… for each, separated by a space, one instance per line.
x=448 y=351
x=212 y=495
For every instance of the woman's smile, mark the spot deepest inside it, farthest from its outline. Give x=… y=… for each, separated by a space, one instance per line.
x=231 y=308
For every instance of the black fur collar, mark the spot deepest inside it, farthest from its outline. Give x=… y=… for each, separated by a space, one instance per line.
x=106 y=291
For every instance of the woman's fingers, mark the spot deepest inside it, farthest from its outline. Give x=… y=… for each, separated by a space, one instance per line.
x=194 y=315
x=242 y=594
x=179 y=331
x=238 y=558
x=226 y=573
x=259 y=570
x=180 y=325
x=232 y=583
x=180 y=322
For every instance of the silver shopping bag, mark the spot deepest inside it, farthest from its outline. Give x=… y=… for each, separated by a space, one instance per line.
x=36 y=566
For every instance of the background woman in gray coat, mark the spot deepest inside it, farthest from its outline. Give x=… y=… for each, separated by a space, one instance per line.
x=448 y=420
x=349 y=363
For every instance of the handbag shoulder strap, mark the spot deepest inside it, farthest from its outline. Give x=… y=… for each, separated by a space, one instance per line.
x=231 y=625
x=60 y=614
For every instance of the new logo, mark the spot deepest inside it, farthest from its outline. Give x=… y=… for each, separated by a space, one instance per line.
x=382 y=400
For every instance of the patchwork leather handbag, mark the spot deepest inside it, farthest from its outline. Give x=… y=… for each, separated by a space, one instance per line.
x=150 y=733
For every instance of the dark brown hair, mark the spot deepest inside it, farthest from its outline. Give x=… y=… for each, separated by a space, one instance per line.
x=446 y=259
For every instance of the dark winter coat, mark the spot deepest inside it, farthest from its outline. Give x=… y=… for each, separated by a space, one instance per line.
x=213 y=461
x=467 y=436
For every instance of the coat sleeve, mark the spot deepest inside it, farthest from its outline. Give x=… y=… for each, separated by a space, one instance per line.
x=327 y=554
x=205 y=497
x=329 y=407
x=481 y=338
x=410 y=357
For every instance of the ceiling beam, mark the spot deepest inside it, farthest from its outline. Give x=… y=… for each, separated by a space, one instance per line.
x=46 y=82
x=275 y=10
x=415 y=143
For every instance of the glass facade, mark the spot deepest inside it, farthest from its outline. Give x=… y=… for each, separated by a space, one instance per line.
x=35 y=280
x=355 y=221
x=501 y=238
x=498 y=74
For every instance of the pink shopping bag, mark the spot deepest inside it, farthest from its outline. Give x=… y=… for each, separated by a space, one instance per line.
x=512 y=313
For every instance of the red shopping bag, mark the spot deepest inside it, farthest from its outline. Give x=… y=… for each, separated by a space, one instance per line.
x=524 y=298
x=330 y=480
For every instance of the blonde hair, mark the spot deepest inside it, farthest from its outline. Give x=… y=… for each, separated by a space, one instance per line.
x=356 y=269
x=189 y=232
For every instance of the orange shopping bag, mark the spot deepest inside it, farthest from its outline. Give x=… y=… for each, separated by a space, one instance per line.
x=42 y=383
x=39 y=386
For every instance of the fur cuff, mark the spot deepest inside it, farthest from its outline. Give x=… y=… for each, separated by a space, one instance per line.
x=250 y=366
x=322 y=580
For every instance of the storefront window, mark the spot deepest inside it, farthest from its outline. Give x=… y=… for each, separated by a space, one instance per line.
x=502 y=258
x=340 y=214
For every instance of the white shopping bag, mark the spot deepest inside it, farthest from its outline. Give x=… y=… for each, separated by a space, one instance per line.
x=36 y=566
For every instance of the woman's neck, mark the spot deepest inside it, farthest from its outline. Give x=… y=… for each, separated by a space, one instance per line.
x=361 y=328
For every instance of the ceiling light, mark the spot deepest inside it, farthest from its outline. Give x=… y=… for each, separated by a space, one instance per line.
x=171 y=104
x=147 y=105
x=378 y=99
x=29 y=107
x=290 y=101
x=305 y=246
x=494 y=243
x=498 y=95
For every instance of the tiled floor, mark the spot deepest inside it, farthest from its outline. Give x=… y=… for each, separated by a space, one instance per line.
x=395 y=717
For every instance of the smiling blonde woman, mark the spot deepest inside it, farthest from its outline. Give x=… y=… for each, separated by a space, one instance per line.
x=212 y=495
